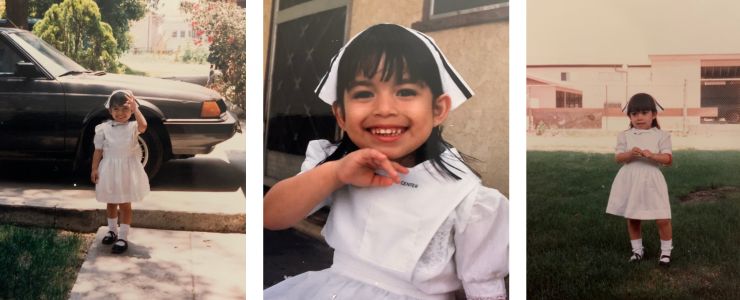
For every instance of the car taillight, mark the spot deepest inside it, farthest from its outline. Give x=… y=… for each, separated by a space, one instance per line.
x=210 y=109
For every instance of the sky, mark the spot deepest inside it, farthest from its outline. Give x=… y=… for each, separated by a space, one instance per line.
x=627 y=31
x=171 y=10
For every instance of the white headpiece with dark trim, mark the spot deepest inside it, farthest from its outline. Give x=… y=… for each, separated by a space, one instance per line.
x=657 y=105
x=127 y=92
x=452 y=82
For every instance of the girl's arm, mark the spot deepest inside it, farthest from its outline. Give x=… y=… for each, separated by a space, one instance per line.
x=290 y=200
x=661 y=158
x=628 y=156
x=140 y=120
x=97 y=156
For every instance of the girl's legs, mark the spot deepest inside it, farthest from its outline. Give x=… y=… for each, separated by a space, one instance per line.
x=634 y=227
x=126 y=216
x=665 y=231
x=111 y=212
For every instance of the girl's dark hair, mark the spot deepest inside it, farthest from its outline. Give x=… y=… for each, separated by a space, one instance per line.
x=118 y=99
x=402 y=53
x=643 y=102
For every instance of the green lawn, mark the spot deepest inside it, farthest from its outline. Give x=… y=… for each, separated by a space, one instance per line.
x=38 y=263
x=576 y=251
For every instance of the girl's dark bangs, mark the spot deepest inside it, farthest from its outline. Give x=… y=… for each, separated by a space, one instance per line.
x=118 y=99
x=641 y=102
x=367 y=59
x=400 y=51
x=638 y=104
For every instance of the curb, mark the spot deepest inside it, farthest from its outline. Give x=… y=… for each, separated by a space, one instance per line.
x=88 y=220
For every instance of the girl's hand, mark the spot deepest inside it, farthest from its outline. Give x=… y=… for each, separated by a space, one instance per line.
x=94 y=176
x=636 y=152
x=132 y=103
x=646 y=153
x=358 y=169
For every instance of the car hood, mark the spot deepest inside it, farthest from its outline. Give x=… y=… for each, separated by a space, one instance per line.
x=149 y=88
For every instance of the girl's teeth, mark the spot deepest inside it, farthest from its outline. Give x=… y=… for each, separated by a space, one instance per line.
x=386 y=131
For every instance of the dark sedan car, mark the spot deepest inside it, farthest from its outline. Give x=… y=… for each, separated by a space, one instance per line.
x=49 y=106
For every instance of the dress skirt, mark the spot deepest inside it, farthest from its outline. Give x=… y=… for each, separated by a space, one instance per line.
x=639 y=192
x=328 y=284
x=121 y=179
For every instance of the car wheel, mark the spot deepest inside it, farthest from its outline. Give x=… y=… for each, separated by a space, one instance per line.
x=733 y=116
x=152 y=155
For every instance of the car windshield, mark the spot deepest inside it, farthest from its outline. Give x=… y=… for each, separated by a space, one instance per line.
x=49 y=58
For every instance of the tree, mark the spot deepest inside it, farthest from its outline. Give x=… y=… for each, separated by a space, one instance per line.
x=117 y=13
x=75 y=28
x=223 y=25
x=17 y=11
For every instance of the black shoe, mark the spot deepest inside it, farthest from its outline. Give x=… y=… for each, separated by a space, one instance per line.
x=117 y=249
x=665 y=260
x=109 y=238
x=636 y=257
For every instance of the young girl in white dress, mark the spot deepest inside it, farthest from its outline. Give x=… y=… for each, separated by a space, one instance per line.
x=639 y=191
x=409 y=219
x=117 y=171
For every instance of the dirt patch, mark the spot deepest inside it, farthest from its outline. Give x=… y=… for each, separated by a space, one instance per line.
x=709 y=194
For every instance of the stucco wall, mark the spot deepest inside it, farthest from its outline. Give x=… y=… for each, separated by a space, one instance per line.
x=480 y=53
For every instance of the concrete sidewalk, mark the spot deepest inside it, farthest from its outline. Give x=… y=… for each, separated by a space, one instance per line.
x=162 y=264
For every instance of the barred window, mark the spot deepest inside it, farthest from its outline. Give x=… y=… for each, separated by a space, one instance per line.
x=565 y=99
x=444 y=14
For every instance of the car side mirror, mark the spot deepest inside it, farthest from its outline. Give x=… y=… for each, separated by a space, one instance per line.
x=26 y=69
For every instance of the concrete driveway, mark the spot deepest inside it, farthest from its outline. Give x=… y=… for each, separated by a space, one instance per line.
x=202 y=193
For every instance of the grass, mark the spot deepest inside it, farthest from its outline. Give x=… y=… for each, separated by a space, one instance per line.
x=576 y=251
x=38 y=263
x=128 y=70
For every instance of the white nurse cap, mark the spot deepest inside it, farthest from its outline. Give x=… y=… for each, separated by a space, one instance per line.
x=127 y=92
x=452 y=82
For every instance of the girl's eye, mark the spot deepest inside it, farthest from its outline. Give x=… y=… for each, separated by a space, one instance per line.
x=361 y=94
x=406 y=93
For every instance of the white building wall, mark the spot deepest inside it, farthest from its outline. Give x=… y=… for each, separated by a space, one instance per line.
x=669 y=78
x=541 y=96
x=674 y=81
x=599 y=84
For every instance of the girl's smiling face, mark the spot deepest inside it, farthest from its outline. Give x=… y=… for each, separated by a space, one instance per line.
x=120 y=113
x=393 y=116
x=642 y=119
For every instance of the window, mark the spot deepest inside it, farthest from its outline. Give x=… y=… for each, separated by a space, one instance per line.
x=564 y=76
x=290 y=3
x=8 y=59
x=174 y=34
x=444 y=14
x=565 y=99
x=182 y=33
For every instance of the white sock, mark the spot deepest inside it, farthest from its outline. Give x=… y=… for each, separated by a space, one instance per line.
x=666 y=247
x=636 y=246
x=113 y=225
x=124 y=232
